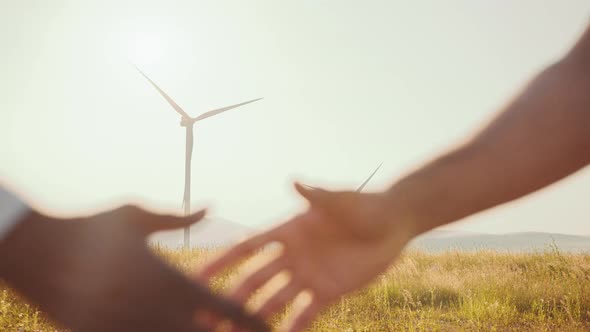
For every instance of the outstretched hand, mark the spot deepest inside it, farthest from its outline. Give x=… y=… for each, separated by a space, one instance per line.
x=341 y=243
x=97 y=274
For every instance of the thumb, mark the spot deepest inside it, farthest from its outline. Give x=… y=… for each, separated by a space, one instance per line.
x=151 y=222
x=332 y=202
x=315 y=196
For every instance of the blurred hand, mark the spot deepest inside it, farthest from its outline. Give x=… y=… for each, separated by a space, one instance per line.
x=341 y=243
x=97 y=274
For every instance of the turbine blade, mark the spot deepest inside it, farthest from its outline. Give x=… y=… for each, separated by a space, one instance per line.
x=163 y=94
x=221 y=110
x=359 y=189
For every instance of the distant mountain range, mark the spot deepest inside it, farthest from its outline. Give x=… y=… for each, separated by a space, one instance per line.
x=211 y=232
x=439 y=240
x=219 y=232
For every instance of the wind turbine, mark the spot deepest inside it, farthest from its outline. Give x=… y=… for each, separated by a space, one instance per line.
x=188 y=122
x=362 y=186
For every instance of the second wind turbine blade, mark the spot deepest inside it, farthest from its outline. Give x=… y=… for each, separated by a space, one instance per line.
x=223 y=109
x=362 y=186
x=163 y=94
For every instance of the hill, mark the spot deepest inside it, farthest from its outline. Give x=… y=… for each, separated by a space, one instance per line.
x=437 y=241
x=211 y=232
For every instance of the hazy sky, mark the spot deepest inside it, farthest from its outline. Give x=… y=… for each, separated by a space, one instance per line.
x=347 y=85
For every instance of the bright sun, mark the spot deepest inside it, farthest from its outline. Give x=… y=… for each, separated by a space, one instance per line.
x=144 y=48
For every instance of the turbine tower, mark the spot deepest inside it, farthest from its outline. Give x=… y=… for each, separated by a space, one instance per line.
x=188 y=122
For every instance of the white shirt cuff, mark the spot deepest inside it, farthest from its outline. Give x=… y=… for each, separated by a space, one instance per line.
x=12 y=210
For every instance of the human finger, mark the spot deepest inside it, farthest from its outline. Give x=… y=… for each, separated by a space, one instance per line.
x=302 y=318
x=278 y=300
x=257 y=279
x=233 y=255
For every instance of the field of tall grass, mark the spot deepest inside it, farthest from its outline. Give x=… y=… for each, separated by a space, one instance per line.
x=451 y=291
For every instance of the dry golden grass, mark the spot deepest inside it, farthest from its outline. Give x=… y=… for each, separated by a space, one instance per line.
x=452 y=291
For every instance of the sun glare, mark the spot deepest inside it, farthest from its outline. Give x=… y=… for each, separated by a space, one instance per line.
x=145 y=48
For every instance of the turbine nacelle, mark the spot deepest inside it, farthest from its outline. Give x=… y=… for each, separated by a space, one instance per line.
x=185 y=122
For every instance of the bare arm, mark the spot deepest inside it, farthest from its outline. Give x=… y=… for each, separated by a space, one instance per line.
x=539 y=138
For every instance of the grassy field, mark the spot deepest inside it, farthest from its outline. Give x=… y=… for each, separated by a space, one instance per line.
x=452 y=291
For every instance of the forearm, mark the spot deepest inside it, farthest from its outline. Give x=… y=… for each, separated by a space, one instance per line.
x=541 y=137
